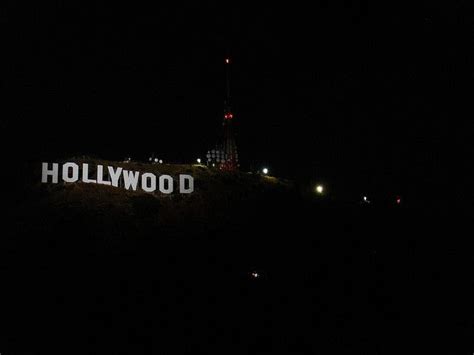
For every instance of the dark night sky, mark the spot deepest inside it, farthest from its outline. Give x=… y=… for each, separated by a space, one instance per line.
x=376 y=97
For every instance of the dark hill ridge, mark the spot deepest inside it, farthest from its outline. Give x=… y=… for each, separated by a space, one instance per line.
x=220 y=200
x=173 y=271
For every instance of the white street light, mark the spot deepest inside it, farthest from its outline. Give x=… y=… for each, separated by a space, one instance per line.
x=319 y=189
x=265 y=171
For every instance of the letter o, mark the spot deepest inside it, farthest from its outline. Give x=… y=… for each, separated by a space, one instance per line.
x=148 y=182
x=163 y=179
x=75 y=172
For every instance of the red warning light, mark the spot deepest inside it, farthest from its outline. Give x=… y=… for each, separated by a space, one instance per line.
x=399 y=200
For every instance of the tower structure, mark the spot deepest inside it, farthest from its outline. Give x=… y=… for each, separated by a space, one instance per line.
x=224 y=155
x=231 y=157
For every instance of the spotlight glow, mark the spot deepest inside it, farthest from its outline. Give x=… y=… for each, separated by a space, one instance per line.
x=198 y=160
x=265 y=171
x=319 y=189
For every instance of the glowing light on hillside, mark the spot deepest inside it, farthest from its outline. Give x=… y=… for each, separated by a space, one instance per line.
x=265 y=171
x=319 y=189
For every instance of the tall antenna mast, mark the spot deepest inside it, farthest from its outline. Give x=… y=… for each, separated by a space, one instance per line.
x=227 y=62
x=230 y=148
x=225 y=154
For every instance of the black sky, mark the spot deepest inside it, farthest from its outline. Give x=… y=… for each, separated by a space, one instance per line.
x=354 y=94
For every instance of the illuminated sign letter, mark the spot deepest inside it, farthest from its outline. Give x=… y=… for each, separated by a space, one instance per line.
x=100 y=176
x=115 y=175
x=75 y=172
x=182 y=184
x=148 y=182
x=54 y=172
x=163 y=180
x=85 y=174
x=130 y=179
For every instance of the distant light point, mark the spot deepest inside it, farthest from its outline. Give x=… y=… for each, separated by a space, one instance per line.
x=265 y=171
x=319 y=189
x=198 y=160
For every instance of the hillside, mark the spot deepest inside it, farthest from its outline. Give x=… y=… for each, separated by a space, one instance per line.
x=118 y=269
x=220 y=200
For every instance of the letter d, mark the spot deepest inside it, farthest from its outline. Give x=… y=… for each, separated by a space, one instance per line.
x=182 y=184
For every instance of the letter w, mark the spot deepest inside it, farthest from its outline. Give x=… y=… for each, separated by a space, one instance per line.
x=130 y=179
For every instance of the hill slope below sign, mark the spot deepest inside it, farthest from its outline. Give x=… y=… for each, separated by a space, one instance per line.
x=220 y=200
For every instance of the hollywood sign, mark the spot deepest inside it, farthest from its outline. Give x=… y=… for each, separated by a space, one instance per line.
x=108 y=175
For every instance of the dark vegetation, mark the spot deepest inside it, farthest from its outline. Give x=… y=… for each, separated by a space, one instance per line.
x=93 y=269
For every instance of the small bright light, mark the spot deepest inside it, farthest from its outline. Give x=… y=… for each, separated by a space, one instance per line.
x=227 y=60
x=255 y=274
x=160 y=161
x=265 y=171
x=319 y=189
x=365 y=198
x=156 y=160
x=149 y=159
x=213 y=164
x=399 y=200
x=198 y=160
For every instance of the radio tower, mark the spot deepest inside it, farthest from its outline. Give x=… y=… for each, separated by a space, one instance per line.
x=230 y=161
